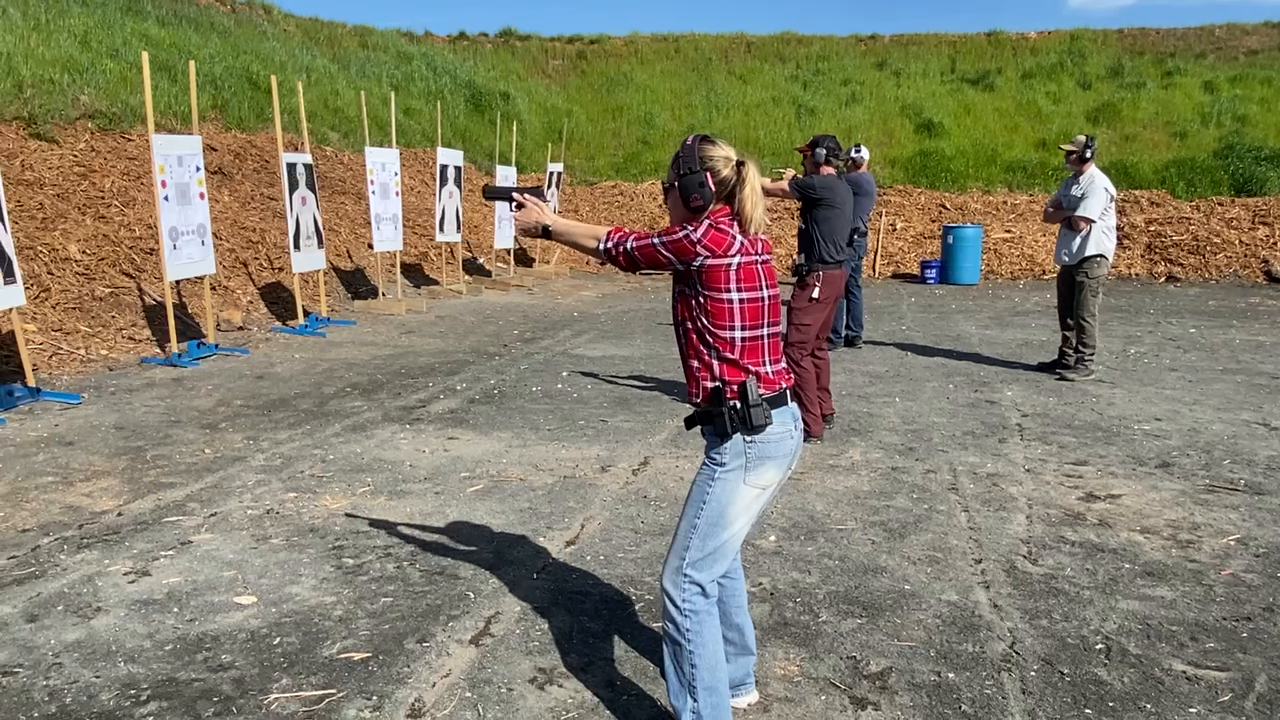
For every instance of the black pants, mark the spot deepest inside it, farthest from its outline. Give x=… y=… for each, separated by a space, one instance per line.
x=1079 y=297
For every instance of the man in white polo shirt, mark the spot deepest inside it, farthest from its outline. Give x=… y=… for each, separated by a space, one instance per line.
x=1084 y=208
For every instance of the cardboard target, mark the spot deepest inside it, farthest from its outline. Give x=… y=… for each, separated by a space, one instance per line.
x=554 y=184
x=448 y=195
x=386 y=207
x=306 y=228
x=177 y=164
x=504 y=215
x=12 y=294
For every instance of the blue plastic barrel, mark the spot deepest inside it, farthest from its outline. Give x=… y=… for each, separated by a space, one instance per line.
x=961 y=254
x=929 y=270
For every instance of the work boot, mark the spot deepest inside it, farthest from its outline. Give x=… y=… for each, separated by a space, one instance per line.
x=1078 y=373
x=829 y=421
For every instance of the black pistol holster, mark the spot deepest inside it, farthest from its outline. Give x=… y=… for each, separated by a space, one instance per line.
x=749 y=415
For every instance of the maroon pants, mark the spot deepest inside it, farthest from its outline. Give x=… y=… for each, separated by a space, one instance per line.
x=808 y=325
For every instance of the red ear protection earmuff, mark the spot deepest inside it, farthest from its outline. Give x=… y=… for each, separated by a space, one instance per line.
x=693 y=184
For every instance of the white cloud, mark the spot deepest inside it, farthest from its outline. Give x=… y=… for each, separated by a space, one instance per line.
x=1113 y=4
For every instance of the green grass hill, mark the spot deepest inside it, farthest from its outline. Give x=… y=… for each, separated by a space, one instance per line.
x=1191 y=111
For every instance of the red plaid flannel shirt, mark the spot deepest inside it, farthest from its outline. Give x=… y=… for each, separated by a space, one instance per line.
x=724 y=300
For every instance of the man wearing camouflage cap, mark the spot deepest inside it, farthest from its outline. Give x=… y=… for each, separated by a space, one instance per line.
x=1084 y=209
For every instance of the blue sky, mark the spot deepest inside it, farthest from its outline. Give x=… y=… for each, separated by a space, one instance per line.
x=619 y=17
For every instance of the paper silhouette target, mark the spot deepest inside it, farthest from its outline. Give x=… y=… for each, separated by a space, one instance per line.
x=306 y=230
x=504 y=217
x=178 y=167
x=555 y=182
x=386 y=208
x=11 y=292
x=448 y=195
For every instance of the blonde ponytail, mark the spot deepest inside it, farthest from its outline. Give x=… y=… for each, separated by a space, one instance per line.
x=737 y=184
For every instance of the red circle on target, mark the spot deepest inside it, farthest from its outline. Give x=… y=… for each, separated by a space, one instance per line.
x=164 y=183
x=202 y=195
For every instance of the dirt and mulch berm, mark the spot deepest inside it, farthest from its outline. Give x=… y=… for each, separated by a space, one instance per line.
x=83 y=219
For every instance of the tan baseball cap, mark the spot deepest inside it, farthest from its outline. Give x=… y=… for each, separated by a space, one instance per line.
x=1076 y=145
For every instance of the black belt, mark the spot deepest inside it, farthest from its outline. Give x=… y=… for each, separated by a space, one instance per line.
x=701 y=417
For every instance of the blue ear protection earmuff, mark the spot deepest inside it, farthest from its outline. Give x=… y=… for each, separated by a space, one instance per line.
x=693 y=184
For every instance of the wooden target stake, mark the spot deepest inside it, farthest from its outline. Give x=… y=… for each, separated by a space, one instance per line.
x=13 y=395
x=444 y=283
x=211 y=322
x=284 y=184
x=164 y=273
x=564 y=139
x=511 y=269
x=377 y=261
x=497 y=160
x=399 y=271
x=537 y=258
x=306 y=148
x=21 y=339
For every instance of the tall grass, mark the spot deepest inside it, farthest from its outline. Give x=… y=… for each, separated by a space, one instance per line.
x=1189 y=111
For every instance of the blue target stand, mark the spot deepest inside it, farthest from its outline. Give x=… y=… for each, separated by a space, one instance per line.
x=195 y=351
x=15 y=395
x=313 y=326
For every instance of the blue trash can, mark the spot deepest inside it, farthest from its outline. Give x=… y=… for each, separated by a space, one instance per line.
x=961 y=254
x=929 y=271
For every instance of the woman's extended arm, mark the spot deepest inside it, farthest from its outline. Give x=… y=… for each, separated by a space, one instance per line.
x=580 y=236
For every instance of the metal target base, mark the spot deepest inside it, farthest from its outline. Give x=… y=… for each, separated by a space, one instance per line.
x=313 y=326
x=195 y=351
x=15 y=395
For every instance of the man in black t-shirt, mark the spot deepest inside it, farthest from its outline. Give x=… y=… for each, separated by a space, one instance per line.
x=846 y=327
x=826 y=220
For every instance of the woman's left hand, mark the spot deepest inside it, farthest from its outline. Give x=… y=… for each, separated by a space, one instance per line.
x=532 y=215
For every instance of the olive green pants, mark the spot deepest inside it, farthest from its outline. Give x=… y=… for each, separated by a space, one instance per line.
x=1079 y=295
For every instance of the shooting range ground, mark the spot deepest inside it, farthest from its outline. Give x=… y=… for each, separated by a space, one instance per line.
x=970 y=535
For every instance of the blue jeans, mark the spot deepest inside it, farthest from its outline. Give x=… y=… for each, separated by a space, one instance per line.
x=709 y=641
x=848 y=320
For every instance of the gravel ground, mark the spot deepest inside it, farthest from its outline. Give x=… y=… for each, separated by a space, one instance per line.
x=463 y=514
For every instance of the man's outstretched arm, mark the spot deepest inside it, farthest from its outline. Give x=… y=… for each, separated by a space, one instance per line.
x=780 y=188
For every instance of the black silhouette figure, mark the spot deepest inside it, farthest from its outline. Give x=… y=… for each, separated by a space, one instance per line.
x=8 y=266
x=583 y=612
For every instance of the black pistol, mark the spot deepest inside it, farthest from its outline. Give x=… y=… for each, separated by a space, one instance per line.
x=505 y=193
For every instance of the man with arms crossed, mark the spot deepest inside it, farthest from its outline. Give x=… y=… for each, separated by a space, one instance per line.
x=1084 y=208
x=846 y=328
x=826 y=219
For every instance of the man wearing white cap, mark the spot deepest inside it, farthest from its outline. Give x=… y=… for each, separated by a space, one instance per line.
x=846 y=327
x=1084 y=209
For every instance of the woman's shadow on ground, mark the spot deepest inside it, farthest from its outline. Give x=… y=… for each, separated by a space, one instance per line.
x=583 y=612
